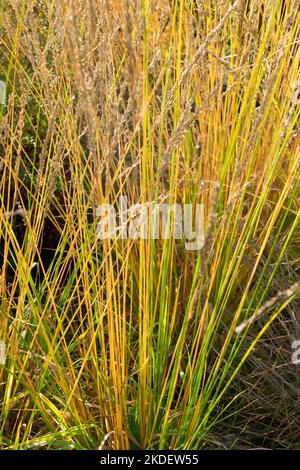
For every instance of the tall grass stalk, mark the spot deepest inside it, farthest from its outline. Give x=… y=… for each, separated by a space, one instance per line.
x=136 y=343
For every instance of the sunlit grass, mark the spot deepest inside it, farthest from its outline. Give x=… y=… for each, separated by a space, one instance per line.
x=134 y=343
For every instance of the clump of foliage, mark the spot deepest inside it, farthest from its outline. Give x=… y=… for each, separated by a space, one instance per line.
x=129 y=344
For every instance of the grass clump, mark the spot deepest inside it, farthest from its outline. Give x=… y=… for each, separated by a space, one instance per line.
x=142 y=343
